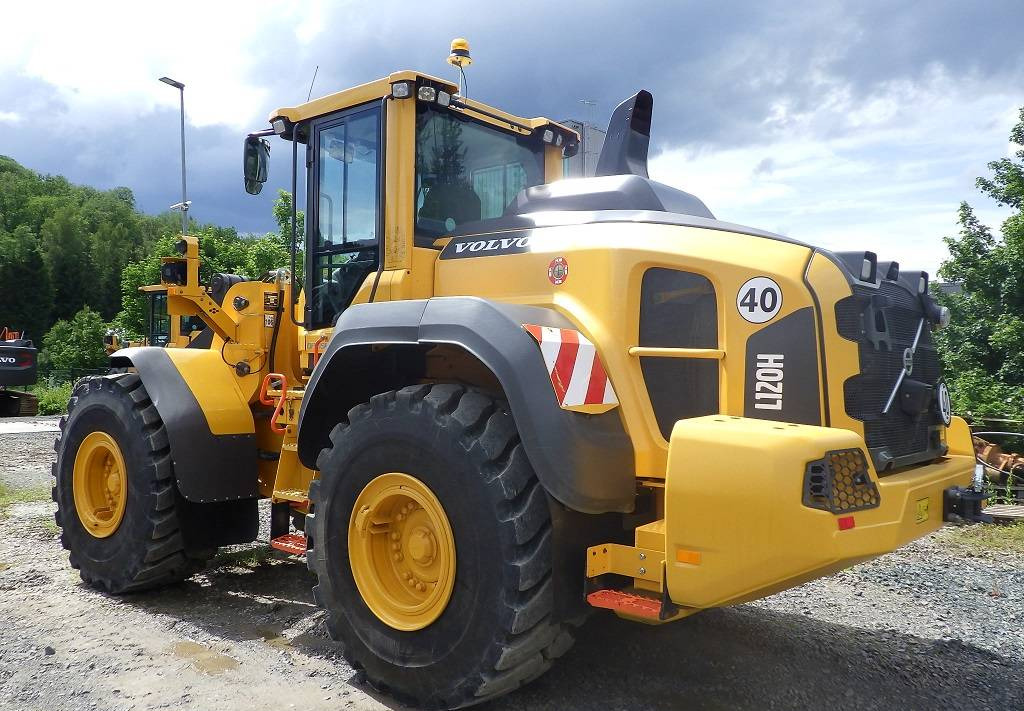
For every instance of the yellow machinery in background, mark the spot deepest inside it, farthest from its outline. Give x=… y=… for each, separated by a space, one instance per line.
x=164 y=327
x=500 y=399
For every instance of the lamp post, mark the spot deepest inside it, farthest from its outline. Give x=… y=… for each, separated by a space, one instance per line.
x=184 y=204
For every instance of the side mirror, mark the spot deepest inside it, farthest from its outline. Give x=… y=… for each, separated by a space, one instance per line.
x=255 y=158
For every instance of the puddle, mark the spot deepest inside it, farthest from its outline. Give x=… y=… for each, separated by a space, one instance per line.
x=205 y=659
x=274 y=638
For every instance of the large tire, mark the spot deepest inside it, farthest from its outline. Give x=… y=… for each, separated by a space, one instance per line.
x=147 y=549
x=496 y=632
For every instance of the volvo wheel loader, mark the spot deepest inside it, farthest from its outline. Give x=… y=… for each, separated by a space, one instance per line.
x=499 y=401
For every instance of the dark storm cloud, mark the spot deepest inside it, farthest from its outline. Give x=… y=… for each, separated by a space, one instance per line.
x=716 y=71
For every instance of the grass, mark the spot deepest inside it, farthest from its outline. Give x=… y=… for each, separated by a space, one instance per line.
x=10 y=496
x=53 y=401
x=995 y=538
x=247 y=558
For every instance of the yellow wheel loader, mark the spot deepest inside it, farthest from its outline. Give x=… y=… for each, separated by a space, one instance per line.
x=500 y=401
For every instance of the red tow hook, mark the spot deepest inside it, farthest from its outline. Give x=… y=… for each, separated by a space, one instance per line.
x=278 y=404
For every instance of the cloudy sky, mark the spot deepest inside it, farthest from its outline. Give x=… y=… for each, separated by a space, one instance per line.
x=852 y=125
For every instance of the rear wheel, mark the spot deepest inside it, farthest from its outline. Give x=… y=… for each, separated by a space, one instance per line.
x=431 y=540
x=117 y=504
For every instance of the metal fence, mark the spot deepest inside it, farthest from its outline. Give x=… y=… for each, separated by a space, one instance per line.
x=54 y=378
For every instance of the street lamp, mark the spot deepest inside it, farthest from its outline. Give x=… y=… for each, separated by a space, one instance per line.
x=184 y=204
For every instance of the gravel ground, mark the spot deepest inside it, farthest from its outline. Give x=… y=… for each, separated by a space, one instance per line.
x=934 y=625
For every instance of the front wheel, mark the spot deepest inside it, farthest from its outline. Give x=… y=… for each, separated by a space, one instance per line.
x=431 y=540
x=117 y=505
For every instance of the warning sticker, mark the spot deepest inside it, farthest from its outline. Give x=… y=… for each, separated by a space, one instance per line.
x=558 y=271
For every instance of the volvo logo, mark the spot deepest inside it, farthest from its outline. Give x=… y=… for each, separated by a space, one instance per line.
x=8 y=359
x=908 y=361
x=945 y=407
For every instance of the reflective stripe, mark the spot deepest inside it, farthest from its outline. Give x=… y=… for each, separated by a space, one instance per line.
x=577 y=374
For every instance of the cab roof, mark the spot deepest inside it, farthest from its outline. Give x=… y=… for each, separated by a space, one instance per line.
x=382 y=87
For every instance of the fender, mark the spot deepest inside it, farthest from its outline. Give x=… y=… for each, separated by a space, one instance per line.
x=586 y=462
x=213 y=445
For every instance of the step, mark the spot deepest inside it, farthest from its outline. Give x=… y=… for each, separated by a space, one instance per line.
x=626 y=603
x=293 y=543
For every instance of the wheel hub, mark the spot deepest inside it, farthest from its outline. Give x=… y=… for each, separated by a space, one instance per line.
x=402 y=551
x=99 y=484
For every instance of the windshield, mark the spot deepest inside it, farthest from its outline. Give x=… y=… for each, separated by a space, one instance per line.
x=468 y=171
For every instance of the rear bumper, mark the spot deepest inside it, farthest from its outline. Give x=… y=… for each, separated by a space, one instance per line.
x=737 y=523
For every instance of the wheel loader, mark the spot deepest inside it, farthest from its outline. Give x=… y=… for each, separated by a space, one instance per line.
x=499 y=402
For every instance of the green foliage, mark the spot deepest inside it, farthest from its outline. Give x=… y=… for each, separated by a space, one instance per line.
x=283 y=218
x=53 y=401
x=983 y=347
x=76 y=344
x=25 y=283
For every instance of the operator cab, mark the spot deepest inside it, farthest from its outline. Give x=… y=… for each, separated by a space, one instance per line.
x=450 y=161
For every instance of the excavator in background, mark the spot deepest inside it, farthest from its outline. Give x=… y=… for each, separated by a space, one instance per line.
x=17 y=368
x=500 y=400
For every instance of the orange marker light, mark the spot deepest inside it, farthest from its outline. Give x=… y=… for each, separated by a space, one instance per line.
x=685 y=556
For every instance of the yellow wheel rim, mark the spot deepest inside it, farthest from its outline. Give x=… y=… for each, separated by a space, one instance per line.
x=100 y=484
x=402 y=551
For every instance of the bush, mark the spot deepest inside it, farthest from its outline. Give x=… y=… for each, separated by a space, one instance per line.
x=75 y=345
x=53 y=401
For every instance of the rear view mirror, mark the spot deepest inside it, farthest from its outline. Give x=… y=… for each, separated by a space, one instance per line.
x=255 y=158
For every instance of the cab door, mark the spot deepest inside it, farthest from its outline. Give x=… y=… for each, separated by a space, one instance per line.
x=343 y=210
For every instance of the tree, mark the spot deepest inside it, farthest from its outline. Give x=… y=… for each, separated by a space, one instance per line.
x=76 y=344
x=983 y=347
x=283 y=218
x=25 y=284
x=66 y=252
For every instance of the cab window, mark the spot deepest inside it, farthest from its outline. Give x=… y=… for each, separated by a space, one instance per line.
x=468 y=171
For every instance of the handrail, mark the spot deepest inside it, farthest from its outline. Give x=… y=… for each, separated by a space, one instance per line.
x=278 y=404
x=646 y=351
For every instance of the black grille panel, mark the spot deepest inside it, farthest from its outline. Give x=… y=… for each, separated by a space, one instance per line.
x=883 y=323
x=678 y=310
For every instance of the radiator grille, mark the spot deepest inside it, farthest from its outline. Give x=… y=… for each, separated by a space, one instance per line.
x=678 y=310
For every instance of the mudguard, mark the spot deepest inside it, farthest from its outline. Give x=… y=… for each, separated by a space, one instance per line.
x=584 y=461
x=213 y=446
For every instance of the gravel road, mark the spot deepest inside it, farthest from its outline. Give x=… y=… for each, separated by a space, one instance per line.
x=934 y=625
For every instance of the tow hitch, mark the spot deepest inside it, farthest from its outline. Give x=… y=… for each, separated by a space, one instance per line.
x=965 y=503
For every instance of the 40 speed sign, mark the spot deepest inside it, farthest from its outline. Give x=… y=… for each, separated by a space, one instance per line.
x=759 y=299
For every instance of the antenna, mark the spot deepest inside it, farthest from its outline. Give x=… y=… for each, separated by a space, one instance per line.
x=313 y=81
x=460 y=59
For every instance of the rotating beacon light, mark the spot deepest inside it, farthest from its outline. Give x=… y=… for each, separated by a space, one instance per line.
x=460 y=59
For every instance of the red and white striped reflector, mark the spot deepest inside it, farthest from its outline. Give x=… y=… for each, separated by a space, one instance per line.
x=577 y=374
